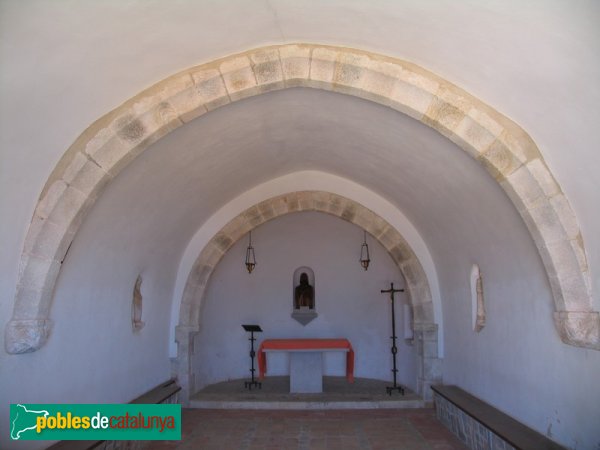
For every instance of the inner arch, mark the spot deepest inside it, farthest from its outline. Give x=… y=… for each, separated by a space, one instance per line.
x=416 y=282
x=305 y=181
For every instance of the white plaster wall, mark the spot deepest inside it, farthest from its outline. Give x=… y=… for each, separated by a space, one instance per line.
x=92 y=355
x=63 y=64
x=517 y=362
x=348 y=301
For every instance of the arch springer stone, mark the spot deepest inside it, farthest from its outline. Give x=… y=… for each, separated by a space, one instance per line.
x=581 y=329
x=26 y=335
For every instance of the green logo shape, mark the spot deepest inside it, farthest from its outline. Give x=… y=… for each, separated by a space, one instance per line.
x=95 y=422
x=23 y=419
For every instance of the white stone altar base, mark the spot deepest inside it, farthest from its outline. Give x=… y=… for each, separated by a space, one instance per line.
x=306 y=369
x=306 y=372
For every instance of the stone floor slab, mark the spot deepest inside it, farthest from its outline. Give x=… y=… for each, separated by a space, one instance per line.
x=337 y=393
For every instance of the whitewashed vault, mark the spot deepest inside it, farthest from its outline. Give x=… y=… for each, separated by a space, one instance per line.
x=108 y=145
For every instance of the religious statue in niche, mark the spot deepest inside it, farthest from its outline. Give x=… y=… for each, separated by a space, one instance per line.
x=303 y=306
x=304 y=294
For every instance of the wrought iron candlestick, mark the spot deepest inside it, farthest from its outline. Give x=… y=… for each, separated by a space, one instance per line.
x=252 y=329
x=394 y=349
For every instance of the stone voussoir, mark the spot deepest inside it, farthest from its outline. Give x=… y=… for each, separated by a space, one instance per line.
x=70 y=209
x=49 y=201
x=573 y=291
x=519 y=143
x=253 y=216
x=212 y=254
x=34 y=303
x=476 y=132
x=349 y=73
x=280 y=205
x=91 y=179
x=410 y=100
x=322 y=67
x=499 y=161
x=443 y=116
x=160 y=92
x=37 y=272
x=565 y=214
x=267 y=211
x=109 y=153
x=187 y=103
x=541 y=174
x=239 y=77
x=544 y=218
x=295 y=64
x=526 y=187
x=267 y=69
x=222 y=241
x=210 y=87
x=236 y=228
x=51 y=241
x=292 y=202
x=579 y=250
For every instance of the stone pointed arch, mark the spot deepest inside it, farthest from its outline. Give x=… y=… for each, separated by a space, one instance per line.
x=416 y=282
x=113 y=141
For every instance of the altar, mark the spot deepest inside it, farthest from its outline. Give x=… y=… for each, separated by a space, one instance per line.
x=306 y=360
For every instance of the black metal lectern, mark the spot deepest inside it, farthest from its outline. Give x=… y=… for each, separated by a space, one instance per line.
x=394 y=349
x=252 y=329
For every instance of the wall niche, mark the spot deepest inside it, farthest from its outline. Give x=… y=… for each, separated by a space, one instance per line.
x=303 y=295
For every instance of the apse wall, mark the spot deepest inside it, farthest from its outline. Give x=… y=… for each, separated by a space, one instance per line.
x=347 y=299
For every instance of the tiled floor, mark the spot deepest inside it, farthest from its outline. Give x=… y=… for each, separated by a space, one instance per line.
x=344 y=430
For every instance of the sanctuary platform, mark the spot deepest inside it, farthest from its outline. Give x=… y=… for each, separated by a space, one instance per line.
x=337 y=393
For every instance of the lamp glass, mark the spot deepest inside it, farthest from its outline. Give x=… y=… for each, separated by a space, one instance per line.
x=250 y=257
x=364 y=254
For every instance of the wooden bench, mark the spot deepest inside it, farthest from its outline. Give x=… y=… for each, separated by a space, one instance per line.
x=512 y=432
x=157 y=395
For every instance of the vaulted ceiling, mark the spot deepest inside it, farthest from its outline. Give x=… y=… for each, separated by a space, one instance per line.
x=175 y=186
x=535 y=63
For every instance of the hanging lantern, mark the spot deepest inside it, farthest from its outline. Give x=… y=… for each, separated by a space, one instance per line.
x=364 y=254
x=250 y=258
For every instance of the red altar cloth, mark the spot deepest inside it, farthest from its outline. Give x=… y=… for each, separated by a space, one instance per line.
x=305 y=344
